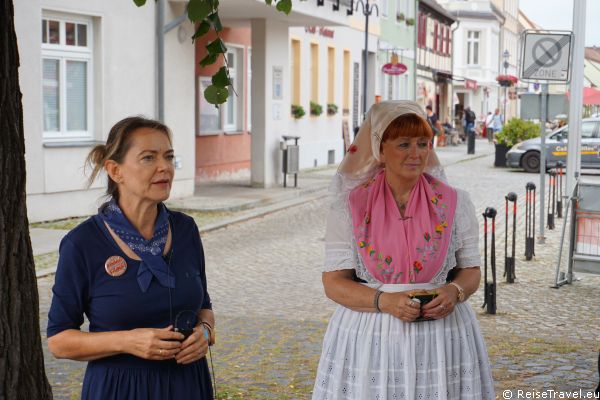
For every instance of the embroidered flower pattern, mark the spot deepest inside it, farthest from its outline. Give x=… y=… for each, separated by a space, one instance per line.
x=388 y=270
x=418 y=266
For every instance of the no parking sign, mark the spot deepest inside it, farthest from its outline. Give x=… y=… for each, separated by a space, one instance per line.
x=546 y=56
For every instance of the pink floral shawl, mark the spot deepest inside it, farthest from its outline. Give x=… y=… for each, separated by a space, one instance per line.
x=403 y=250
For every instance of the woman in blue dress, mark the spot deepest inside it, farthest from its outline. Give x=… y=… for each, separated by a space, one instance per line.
x=136 y=271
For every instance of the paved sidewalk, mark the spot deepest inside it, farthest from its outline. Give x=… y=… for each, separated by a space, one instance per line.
x=239 y=201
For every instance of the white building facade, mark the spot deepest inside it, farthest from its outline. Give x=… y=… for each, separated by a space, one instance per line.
x=87 y=65
x=326 y=65
x=476 y=58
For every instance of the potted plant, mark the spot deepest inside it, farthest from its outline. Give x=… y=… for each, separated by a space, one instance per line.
x=315 y=109
x=400 y=17
x=507 y=80
x=332 y=109
x=410 y=21
x=513 y=132
x=297 y=111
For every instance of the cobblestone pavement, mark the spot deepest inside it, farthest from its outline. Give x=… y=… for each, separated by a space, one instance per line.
x=264 y=278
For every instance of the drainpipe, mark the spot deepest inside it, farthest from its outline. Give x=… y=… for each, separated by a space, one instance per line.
x=416 y=52
x=161 y=30
x=452 y=108
x=160 y=59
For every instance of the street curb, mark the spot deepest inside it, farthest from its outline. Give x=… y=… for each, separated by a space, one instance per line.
x=293 y=193
x=259 y=212
x=263 y=211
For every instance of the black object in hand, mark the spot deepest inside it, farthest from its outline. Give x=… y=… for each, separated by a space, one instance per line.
x=423 y=299
x=185 y=332
x=185 y=321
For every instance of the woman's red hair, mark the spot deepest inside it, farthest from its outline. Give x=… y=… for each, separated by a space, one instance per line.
x=407 y=125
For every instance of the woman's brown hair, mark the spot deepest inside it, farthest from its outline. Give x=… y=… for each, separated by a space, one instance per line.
x=117 y=145
x=407 y=125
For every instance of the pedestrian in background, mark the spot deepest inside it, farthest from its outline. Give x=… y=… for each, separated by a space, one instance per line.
x=488 y=127
x=497 y=121
x=470 y=118
x=436 y=127
x=394 y=232
x=136 y=270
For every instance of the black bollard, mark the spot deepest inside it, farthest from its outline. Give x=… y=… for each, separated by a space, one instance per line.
x=560 y=171
x=551 y=198
x=509 y=262
x=529 y=221
x=470 y=141
x=490 y=287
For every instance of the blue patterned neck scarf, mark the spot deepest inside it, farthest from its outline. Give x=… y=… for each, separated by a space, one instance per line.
x=150 y=251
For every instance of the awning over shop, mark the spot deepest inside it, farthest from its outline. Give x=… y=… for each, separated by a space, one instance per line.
x=591 y=96
x=442 y=77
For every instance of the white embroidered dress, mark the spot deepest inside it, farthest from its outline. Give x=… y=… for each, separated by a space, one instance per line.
x=377 y=356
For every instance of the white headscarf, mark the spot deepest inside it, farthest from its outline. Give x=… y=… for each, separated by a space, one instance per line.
x=362 y=161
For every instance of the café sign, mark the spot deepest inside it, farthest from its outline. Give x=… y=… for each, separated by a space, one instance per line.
x=394 y=68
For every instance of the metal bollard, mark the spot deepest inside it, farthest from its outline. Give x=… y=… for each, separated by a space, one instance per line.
x=529 y=220
x=470 y=141
x=490 y=287
x=560 y=171
x=509 y=262
x=551 y=198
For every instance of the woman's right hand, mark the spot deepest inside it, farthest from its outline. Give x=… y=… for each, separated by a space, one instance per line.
x=153 y=344
x=400 y=305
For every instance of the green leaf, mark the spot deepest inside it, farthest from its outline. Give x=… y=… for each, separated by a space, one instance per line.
x=202 y=29
x=216 y=95
x=269 y=2
x=209 y=59
x=284 y=6
x=199 y=9
x=215 y=21
x=216 y=47
x=221 y=78
x=139 y=3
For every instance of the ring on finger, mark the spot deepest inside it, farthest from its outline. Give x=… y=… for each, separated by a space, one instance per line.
x=161 y=352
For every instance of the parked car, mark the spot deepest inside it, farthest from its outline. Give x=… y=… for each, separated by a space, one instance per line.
x=526 y=154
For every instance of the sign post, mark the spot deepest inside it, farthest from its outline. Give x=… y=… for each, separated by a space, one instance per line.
x=546 y=58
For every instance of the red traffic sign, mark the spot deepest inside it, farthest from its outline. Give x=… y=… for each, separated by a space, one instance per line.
x=394 y=69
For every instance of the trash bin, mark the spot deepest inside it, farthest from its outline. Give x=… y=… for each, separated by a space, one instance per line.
x=291 y=158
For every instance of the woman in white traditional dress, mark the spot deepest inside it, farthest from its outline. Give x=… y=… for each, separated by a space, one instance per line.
x=393 y=231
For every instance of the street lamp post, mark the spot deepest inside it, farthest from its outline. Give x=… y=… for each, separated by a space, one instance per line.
x=506 y=56
x=367 y=10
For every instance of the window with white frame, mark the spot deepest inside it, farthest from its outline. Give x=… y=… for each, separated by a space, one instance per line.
x=66 y=77
x=233 y=108
x=473 y=47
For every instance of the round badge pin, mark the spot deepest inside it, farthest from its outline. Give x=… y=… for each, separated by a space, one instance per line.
x=115 y=266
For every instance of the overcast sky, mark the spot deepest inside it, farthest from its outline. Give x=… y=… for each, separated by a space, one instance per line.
x=558 y=14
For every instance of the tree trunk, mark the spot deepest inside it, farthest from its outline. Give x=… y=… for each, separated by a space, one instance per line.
x=22 y=374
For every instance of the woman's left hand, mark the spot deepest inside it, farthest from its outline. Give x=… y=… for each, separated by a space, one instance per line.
x=193 y=348
x=443 y=304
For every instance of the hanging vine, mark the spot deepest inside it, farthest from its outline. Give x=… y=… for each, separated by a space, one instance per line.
x=205 y=15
